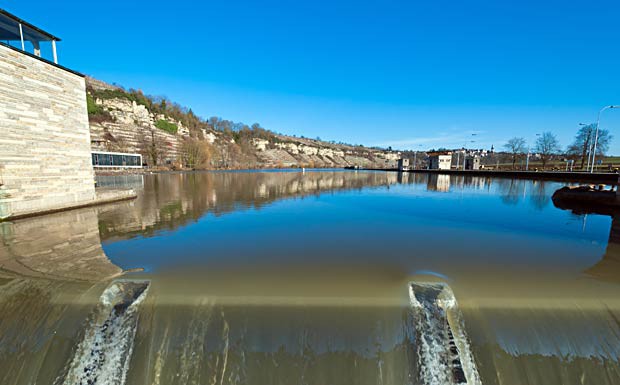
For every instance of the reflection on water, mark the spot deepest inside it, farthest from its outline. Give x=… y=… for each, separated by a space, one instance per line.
x=173 y=200
x=290 y=277
x=608 y=268
x=64 y=246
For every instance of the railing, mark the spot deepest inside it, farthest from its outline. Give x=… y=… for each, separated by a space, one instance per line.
x=19 y=34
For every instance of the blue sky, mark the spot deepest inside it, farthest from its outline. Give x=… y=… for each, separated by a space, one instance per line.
x=411 y=74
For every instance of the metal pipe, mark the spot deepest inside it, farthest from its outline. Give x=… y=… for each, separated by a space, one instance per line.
x=21 y=36
x=590 y=147
x=54 y=51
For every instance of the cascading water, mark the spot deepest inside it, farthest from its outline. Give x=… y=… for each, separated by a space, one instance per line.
x=103 y=355
x=443 y=351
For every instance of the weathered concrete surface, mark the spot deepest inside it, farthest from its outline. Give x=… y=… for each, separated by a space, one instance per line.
x=45 y=161
x=108 y=194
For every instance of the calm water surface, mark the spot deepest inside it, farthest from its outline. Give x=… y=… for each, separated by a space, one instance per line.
x=301 y=278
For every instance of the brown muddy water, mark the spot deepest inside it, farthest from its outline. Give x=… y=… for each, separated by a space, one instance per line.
x=305 y=278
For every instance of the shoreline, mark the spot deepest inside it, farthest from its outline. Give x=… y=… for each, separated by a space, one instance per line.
x=106 y=195
x=558 y=176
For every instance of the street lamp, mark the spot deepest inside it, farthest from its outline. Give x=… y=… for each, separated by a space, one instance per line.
x=415 y=157
x=527 y=159
x=598 y=121
x=465 y=152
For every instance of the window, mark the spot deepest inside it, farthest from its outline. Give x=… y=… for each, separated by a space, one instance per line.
x=116 y=160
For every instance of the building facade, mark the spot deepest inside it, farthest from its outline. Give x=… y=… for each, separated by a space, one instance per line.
x=45 y=159
x=103 y=159
x=440 y=161
x=403 y=164
x=472 y=163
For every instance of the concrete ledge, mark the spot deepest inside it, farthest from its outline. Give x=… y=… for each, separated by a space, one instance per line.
x=109 y=194
x=103 y=195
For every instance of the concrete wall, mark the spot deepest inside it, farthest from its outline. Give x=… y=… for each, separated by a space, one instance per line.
x=440 y=162
x=45 y=161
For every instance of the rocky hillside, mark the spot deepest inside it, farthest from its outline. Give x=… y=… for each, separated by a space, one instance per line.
x=171 y=136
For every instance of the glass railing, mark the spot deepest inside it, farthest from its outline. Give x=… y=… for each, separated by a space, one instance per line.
x=23 y=36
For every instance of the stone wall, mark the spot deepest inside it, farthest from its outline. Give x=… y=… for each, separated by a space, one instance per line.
x=45 y=161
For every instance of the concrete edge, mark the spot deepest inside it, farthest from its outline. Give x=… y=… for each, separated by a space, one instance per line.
x=128 y=194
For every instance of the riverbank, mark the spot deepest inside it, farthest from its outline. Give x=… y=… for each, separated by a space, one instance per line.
x=557 y=176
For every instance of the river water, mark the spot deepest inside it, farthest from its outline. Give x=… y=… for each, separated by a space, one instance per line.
x=317 y=277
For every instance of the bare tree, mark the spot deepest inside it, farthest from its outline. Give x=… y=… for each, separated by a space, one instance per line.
x=547 y=145
x=583 y=143
x=152 y=148
x=516 y=146
x=582 y=146
x=195 y=153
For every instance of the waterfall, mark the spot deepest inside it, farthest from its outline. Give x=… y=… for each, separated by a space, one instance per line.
x=443 y=351
x=103 y=355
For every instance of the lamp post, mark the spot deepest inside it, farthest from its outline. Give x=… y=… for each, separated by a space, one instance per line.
x=465 y=152
x=415 y=157
x=598 y=121
x=527 y=159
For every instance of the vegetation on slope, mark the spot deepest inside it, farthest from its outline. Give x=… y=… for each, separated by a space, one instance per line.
x=234 y=147
x=167 y=126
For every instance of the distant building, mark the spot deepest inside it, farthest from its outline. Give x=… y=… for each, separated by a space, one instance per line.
x=403 y=164
x=116 y=160
x=472 y=163
x=439 y=160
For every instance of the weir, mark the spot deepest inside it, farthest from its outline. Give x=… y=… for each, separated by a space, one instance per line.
x=443 y=352
x=104 y=353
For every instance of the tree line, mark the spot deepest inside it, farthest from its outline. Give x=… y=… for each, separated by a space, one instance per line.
x=547 y=146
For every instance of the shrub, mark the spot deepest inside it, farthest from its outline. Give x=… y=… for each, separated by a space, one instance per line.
x=96 y=113
x=167 y=126
x=92 y=107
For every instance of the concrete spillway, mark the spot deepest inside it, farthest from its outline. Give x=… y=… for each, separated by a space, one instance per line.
x=443 y=352
x=443 y=355
x=103 y=355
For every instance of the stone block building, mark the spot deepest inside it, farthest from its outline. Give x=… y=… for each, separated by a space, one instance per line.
x=45 y=161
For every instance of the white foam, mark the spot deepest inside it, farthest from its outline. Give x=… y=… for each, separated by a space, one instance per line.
x=436 y=314
x=103 y=355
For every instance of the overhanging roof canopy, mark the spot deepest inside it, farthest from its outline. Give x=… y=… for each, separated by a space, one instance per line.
x=9 y=29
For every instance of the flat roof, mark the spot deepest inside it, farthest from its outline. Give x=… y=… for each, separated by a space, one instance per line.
x=30 y=30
